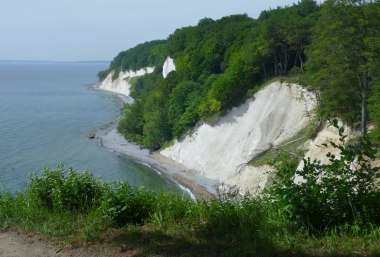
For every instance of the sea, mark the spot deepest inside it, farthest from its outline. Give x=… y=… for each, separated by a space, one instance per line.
x=47 y=112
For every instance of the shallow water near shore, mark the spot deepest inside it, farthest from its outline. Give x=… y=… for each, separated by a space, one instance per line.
x=47 y=112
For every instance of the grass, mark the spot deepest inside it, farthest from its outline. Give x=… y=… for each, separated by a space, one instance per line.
x=293 y=148
x=167 y=224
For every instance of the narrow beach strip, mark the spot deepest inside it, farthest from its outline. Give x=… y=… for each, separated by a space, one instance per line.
x=188 y=180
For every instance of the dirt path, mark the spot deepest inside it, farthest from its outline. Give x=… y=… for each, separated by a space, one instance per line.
x=14 y=244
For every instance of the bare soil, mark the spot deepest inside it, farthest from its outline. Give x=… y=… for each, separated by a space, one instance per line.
x=16 y=244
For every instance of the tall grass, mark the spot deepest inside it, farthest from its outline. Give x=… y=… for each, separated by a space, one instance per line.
x=75 y=206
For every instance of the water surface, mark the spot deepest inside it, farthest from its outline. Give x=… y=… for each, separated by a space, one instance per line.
x=47 y=111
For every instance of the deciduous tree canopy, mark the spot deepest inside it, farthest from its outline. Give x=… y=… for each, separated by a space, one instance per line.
x=333 y=48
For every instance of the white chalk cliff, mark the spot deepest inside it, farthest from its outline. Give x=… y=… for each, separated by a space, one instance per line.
x=316 y=149
x=121 y=84
x=168 y=67
x=221 y=151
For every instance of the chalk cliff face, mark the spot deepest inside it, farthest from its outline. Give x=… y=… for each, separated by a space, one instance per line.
x=121 y=85
x=316 y=149
x=168 y=67
x=221 y=151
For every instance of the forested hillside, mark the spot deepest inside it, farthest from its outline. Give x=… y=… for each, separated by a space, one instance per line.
x=143 y=55
x=333 y=49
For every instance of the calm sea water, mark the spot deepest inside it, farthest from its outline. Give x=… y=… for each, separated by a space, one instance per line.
x=47 y=111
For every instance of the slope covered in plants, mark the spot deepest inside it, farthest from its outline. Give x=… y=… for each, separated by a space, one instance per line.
x=333 y=48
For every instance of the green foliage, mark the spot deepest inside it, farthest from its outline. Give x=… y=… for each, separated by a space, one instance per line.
x=184 y=101
x=217 y=63
x=341 y=55
x=344 y=191
x=131 y=126
x=288 y=32
x=291 y=150
x=143 y=55
x=127 y=205
x=332 y=48
x=146 y=84
x=374 y=108
x=74 y=192
x=374 y=84
x=231 y=87
x=103 y=74
x=156 y=130
x=155 y=224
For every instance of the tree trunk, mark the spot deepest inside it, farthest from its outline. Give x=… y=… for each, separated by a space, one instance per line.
x=364 y=87
x=363 y=122
x=265 y=71
x=275 y=65
x=300 y=58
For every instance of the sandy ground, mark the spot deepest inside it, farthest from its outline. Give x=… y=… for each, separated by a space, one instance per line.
x=15 y=244
x=199 y=186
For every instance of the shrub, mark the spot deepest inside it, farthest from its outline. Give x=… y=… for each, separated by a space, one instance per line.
x=5 y=209
x=341 y=192
x=80 y=191
x=173 y=207
x=42 y=189
x=73 y=192
x=128 y=205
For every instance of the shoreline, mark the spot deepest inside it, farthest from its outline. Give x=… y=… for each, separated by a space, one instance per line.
x=190 y=181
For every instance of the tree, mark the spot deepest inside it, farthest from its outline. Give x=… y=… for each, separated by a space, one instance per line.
x=132 y=124
x=184 y=98
x=146 y=54
x=341 y=55
x=288 y=31
x=156 y=129
x=373 y=13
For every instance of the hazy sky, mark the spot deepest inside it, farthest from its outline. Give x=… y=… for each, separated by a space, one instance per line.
x=72 y=30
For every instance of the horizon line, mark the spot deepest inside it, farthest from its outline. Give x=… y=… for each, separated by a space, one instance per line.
x=56 y=61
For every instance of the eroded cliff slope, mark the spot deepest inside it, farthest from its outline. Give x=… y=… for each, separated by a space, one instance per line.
x=221 y=151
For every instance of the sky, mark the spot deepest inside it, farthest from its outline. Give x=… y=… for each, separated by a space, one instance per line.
x=89 y=30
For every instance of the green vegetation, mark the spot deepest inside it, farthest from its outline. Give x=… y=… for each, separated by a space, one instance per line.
x=332 y=48
x=344 y=191
x=342 y=59
x=218 y=63
x=292 y=149
x=323 y=216
x=150 y=54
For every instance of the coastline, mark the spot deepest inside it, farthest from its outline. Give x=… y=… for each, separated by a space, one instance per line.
x=188 y=180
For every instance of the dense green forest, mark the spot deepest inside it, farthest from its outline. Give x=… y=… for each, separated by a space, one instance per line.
x=143 y=55
x=332 y=48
